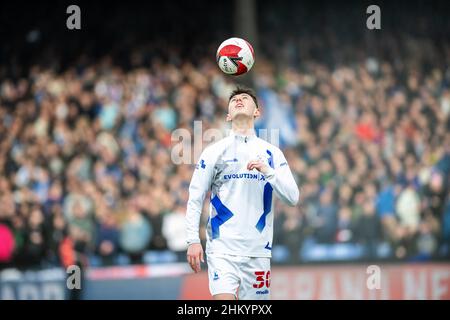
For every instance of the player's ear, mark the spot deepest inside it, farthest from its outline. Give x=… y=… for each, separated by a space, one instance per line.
x=257 y=113
x=228 y=119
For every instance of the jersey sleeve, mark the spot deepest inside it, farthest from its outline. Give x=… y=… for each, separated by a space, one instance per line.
x=199 y=186
x=282 y=181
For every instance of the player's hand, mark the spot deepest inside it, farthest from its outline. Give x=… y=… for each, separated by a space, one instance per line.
x=258 y=165
x=194 y=256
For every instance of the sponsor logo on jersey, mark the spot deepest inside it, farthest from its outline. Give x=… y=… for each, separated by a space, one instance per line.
x=263 y=292
x=249 y=176
x=241 y=176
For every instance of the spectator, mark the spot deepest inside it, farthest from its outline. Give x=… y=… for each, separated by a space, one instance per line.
x=108 y=235
x=345 y=227
x=290 y=230
x=56 y=232
x=368 y=230
x=36 y=245
x=135 y=234
x=408 y=209
x=446 y=229
x=173 y=230
x=6 y=245
x=385 y=206
x=326 y=218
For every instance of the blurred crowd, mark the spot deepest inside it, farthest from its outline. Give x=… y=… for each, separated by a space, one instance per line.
x=86 y=153
x=372 y=155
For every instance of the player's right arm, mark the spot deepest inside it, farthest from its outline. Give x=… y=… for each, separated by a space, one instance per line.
x=199 y=186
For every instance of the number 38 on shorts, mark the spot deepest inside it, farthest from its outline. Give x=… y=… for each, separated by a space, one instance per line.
x=262 y=279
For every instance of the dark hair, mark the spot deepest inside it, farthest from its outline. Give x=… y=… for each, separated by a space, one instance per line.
x=240 y=90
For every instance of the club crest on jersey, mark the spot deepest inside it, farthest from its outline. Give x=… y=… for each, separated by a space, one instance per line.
x=216 y=276
x=201 y=165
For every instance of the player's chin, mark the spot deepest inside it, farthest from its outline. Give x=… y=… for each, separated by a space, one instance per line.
x=241 y=113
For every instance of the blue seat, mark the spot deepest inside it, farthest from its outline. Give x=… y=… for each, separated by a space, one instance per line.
x=122 y=260
x=280 y=254
x=154 y=257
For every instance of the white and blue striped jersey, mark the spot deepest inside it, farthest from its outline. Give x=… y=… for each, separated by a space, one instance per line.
x=240 y=217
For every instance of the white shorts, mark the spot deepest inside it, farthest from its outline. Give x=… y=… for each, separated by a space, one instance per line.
x=248 y=278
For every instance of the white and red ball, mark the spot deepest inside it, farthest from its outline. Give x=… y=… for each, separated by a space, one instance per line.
x=235 y=56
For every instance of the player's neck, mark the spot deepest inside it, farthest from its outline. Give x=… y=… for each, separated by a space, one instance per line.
x=243 y=126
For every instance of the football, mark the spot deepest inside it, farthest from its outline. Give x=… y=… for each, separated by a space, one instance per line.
x=235 y=56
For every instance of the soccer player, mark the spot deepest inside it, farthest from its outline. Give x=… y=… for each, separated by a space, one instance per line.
x=242 y=172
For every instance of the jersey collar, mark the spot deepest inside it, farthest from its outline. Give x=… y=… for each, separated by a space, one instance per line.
x=241 y=137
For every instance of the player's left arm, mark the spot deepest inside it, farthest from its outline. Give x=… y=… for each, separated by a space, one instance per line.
x=280 y=177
